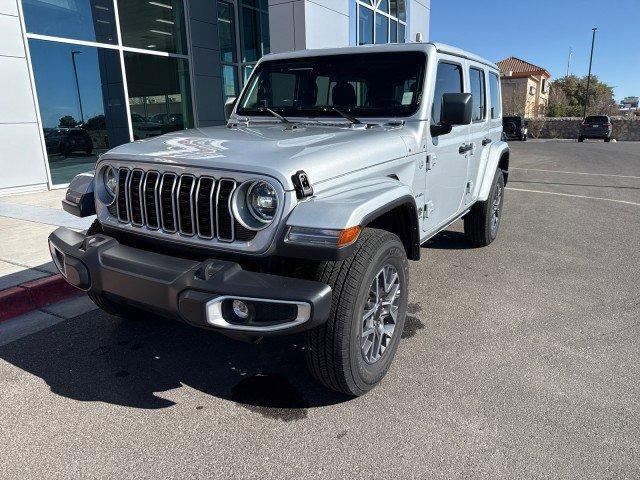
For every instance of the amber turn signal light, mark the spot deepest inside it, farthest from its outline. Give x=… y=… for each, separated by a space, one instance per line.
x=348 y=236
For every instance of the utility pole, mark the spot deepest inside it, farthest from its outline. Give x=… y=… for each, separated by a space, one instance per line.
x=569 y=61
x=586 y=98
x=75 y=74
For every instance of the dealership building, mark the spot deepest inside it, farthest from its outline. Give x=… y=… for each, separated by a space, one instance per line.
x=78 y=77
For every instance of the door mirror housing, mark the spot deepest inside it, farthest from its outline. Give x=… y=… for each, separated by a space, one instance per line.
x=229 y=104
x=456 y=110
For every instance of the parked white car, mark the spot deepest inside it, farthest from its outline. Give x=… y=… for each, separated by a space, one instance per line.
x=300 y=214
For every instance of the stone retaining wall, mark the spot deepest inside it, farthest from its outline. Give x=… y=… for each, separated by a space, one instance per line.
x=624 y=128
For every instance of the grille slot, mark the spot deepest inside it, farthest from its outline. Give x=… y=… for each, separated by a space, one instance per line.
x=168 y=201
x=135 y=197
x=121 y=201
x=204 y=206
x=186 y=218
x=225 y=222
x=150 y=195
x=186 y=204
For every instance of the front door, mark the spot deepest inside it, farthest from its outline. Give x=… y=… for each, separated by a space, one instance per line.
x=447 y=160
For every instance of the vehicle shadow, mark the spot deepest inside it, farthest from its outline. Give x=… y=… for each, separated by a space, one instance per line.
x=96 y=357
x=449 y=240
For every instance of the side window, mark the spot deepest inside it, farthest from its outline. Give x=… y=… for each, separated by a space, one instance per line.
x=494 y=91
x=479 y=95
x=448 y=80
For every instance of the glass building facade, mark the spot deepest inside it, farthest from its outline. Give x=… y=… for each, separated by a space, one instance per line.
x=82 y=76
x=106 y=73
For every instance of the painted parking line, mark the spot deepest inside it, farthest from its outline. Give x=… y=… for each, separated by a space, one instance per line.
x=573 y=195
x=574 y=173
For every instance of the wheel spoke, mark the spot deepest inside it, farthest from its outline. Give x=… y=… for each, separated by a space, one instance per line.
x=380 y=313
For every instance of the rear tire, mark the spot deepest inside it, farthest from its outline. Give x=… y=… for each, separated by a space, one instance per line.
x=104 y=303
x=607 y=139
x=482 y=223
x=580 y=139
x=353 y=350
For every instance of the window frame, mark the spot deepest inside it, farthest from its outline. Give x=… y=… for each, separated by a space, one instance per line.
x=240 y=67
x=499 y=96
x=433 y=97
x=391 y=20
x=483 y=89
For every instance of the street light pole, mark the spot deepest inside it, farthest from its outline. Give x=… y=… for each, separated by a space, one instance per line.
x=75 y=73
x=586 y=99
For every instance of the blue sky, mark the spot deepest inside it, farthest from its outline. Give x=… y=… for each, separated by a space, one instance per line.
x=542 y=31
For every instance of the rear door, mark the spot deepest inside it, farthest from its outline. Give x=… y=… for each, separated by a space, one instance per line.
x=447 y=163
x=478 y=130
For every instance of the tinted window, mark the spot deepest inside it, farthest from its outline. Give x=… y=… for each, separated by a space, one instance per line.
x=368 y=85
x=494 y=91
x=153 y=25
x=254 y=22
x=226 y=32
x=157 y=86
x=448 y=80
x=79 y=87
x=365 y=26
x=478 y=94
x=91 y=20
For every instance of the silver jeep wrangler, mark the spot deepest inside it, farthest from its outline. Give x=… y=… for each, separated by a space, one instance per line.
x=334 y=168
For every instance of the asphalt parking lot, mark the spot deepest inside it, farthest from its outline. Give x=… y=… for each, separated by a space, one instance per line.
x=520 y=360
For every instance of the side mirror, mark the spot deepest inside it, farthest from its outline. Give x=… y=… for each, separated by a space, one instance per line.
x=229 y=104
x=456 y=110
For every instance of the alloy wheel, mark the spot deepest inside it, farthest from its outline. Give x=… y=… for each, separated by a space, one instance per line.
x=380 y=313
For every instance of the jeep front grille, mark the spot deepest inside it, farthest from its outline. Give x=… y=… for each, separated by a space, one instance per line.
x=188 y=204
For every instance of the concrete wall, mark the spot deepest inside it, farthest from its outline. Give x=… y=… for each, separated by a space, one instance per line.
x=624 y=128
x=22 y=160
x=305 y=24
x=419 y=14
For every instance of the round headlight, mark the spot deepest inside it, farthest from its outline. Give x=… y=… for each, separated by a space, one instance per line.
x=110 y=180
x=262 y=201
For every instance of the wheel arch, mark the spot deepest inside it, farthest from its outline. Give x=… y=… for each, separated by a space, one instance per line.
x=399 y=217
x=498 y=158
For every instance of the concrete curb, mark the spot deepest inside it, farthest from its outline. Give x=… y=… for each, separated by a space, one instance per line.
x=35 y=294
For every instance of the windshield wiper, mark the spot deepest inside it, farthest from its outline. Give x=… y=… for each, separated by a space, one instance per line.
x=275 y=114
x=349 y=117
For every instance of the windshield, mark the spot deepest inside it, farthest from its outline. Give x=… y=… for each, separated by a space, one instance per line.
x=596 y=119
x=363 y=85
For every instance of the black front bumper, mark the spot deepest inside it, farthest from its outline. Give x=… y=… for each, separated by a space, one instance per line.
x=189 y=290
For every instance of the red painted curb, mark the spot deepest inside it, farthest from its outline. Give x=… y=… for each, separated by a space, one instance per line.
x=48 y=290
x=14 y=301
x=35 y=294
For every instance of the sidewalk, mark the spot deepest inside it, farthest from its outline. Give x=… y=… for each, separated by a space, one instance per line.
x=28 y=278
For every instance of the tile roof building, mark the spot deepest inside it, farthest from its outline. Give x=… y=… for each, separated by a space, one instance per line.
x=525 y=88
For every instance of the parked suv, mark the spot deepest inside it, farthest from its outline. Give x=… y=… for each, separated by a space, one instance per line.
x=301 y=213
x=515 y=128
x=597 y=127
x=65 y=141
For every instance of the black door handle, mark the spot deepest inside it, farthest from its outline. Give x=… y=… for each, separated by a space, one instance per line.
x=464 y=148
x=486 y=141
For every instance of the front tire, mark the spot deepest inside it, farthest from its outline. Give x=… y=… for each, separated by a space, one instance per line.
x=353 y=350
x=482 y=223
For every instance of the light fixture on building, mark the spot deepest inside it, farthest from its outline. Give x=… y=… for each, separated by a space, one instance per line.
x=163 y=5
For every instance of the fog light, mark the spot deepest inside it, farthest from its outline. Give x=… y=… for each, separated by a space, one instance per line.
x=241 y=309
